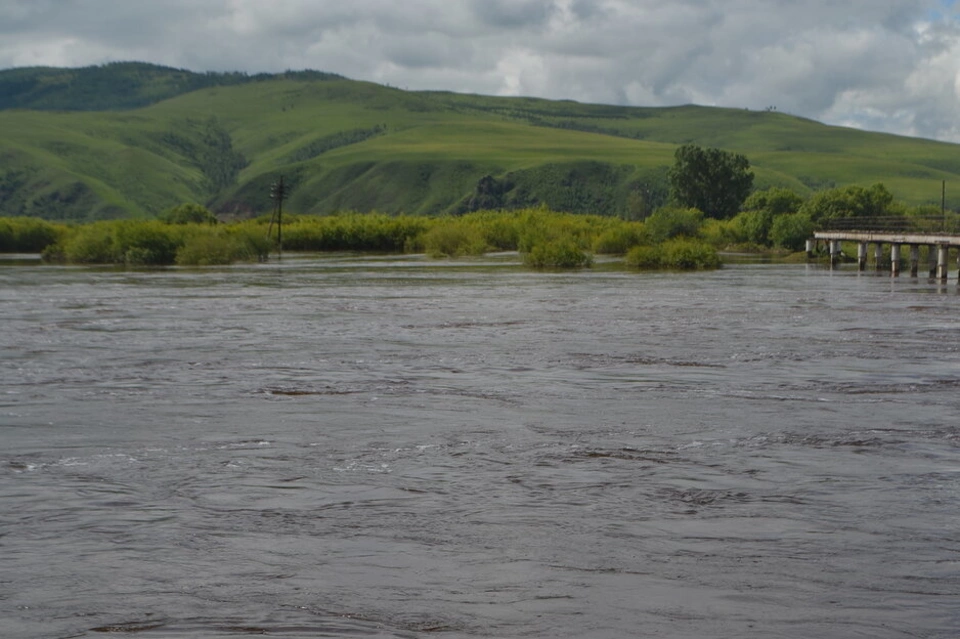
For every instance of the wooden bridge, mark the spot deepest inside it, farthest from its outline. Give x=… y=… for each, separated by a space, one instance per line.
x=936 y=236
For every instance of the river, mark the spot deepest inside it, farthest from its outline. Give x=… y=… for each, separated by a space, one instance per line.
x=394 y=447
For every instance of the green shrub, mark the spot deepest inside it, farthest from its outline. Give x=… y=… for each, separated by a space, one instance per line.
x=670 y=222
x=453 y=239
x=682 y=254
x=188 y=214
x=619 y=239
x=848 y=201
x=500 y=229
x=135 y=243
x=721 y=233
x=774 y=200
x=686 y=254
x=213 y=249
x=145 y=243
x=753 y=226
x=644 y=257
x=254 y=245
x=7 y=236
x=561 y=253
x=28 y=235
x=354 y=232
x=206 y=246
x=90 y=244
x=791 y=231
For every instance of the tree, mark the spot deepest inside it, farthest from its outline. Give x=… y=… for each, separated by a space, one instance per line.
x=848 y=201
x=760 y=210
x=775 y=200
x=712 y=180
x=792 y=230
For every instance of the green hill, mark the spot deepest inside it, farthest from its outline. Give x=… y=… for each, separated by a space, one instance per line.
x=134 y=139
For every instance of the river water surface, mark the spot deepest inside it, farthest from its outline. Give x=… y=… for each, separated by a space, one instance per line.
x=396 y=447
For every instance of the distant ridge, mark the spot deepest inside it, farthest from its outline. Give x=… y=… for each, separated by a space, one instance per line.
x=118 y=85
x=133 y=139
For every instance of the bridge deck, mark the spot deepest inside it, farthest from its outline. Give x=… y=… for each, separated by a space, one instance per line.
x=889 y=237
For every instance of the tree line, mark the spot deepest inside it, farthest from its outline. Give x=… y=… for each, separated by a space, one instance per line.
x=713 y=190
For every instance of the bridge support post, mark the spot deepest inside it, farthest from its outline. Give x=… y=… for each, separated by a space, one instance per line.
x=810 y=247
x=942 y=250
x=914 y=260
x=895 y=260
x=834 y=252
x=878 y=256
x=862 y=256
x=932 y=259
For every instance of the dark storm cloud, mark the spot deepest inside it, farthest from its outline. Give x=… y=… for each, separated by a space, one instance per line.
x=887 y=64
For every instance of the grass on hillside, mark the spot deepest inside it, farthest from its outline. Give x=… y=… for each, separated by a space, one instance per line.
x=346 y=145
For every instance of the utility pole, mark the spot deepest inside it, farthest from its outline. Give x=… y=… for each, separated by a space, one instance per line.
x=943 y=205
x=277 y=193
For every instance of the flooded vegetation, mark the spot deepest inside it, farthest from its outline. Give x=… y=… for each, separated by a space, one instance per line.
x=543 y=238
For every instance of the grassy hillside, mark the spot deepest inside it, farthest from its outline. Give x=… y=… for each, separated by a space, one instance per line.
x=221 y=139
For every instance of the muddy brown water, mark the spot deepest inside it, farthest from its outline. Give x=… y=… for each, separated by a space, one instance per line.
x=397 y=447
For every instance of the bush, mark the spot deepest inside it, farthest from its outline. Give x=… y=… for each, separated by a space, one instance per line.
x=792 y=231
x=619 y=239
x=689 y=255
x=669 y=222
x=145 y=243
x=774 y=200
x=188 y=214
x=721 y=233
x=210 y=250
x=28 y=235
x=644 y=257
x=90 y=244
x=561 y=253
x=848 y=201
x=679 y=254
x=453 y=239
x=500 y=230
x=354 y=232
x=753 y=226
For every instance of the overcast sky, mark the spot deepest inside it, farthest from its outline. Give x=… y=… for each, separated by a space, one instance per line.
x=883 y=65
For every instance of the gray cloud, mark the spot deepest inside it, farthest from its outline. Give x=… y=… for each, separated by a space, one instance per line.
x=514 y=14
x=891 y=65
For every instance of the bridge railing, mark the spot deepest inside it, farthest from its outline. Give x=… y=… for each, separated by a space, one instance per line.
x=944 y=225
